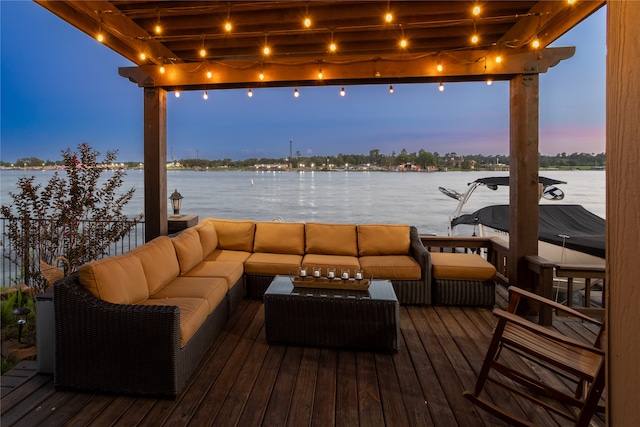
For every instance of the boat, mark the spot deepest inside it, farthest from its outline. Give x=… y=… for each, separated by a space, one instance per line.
x=567 y=233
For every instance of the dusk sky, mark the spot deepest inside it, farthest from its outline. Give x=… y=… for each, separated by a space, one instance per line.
x=60 y=87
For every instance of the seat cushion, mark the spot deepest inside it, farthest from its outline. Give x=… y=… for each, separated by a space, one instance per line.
x=229 y=270
x=279 y=238
x=208 y=236
x=225 y=255
x=193 y=313
x=383 y=239
x=188 y=249
x=235 y=234
x=331 y=261
x=211 y=289
x=331 y=239
x=264 y=264
x=456 y=266
x=118 y=279
x=391 y=267
x=159 y=261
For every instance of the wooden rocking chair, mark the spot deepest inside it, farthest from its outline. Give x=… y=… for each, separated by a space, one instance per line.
x=579 y=363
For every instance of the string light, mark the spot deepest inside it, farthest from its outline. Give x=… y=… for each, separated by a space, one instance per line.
x=209 y=74
x=249 y=93
x=205 y=95
x=307 y=22
x=227 y=26
x=498 y=59
x=476 y=10
x=143 y=56
x=441 y=87
x=390 y=89
x=162 y=69
x=333 y=47
x=320 y=75
x=266 y=50
x=535 y=43
x=342 y=92
x=571 y=1
x=403 y=43
x=100 y=37
x=489 y=82
x=296 y=93
x=474 y=39
x=158 y=29
x=261 y=76
x=388 y=17
x=203 y=52
x=439 y=67
x=177 y=94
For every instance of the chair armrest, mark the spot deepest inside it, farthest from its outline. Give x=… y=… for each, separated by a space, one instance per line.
x=513 y=290
x=541 y=330
x=420 y=254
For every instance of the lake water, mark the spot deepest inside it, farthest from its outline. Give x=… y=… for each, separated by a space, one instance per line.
x=342 y=197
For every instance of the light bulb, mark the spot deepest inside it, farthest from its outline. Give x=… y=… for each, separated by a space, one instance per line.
x=439 y=67
x=320 y=74
x=205 y=95
x=536 y=43
x=203 y=53
x=266 y=50
x=476 y=10
x=441 y=87
x=209 y=74
x=390 y=89
x=403 y=43
x=143 y=56
x=261 y=76
x=158 y=29
x=342 y=92
x=296 y=93
x=307 y=22
x=249 y=93
x=333 y=47
x=571 y=1
x=489 y=82
x=100 y=37
x=162 y=69
x=498 y=59
x=388 y=17
x=227 y=26
x=177 y=94
x=474 y=39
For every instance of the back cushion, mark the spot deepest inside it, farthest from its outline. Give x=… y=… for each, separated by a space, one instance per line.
x=331 y=239
x=383 y=239
x=279 y=238
x=235 y=235
x=118 y=279
x=208 y=236
x=159 y=262
x=188 y=249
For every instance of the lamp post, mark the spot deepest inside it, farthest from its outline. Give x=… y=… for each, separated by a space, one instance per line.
x=176 y=201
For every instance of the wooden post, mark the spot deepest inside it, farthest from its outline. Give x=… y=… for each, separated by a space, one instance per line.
x=523 y=173
x=155 y=162
x=622 y=293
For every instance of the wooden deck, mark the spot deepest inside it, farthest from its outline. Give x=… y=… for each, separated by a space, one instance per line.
x=246 y=382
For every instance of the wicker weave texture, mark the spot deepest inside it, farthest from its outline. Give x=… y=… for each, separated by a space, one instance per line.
x=358 y=324
x=464 y=292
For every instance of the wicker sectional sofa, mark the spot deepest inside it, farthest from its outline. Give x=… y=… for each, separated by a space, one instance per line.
x=139 y=323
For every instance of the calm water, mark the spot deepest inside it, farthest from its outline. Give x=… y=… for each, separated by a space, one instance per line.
x=344 y=197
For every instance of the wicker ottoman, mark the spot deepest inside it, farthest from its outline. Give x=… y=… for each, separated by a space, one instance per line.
x=462 y=279
x=356 y=320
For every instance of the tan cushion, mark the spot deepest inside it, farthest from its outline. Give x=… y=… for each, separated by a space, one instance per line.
x=331 y=239
x=212 y=289
x=279 y=238
x=188 y=249
x=159 y=262
x=118 y=279
x=235 y=234
x=208 y=236
x=193 y=313
x=331 y=261
x=391 y=267
x=455 y=266
x=228 y=270
x=383 y=239
x=266 y=264
x=225 y=255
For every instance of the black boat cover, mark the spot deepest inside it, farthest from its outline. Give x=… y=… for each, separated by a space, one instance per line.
x=504 y=180
x=571 y=225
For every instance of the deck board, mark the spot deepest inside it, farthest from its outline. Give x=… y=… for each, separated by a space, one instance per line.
x=245 y=381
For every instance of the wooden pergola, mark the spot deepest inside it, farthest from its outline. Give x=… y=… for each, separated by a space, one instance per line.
x=191 y=45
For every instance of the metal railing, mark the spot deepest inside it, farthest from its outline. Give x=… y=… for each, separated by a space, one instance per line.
x=13 y=272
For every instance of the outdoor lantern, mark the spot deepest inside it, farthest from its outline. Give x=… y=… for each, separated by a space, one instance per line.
x=176 y=201
x=21 y=313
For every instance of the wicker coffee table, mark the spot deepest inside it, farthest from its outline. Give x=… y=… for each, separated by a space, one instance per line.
x=357 y=320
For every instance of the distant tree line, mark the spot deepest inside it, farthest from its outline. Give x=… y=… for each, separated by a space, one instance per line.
x=375 y=158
